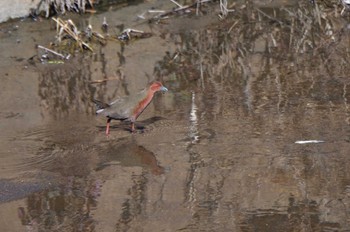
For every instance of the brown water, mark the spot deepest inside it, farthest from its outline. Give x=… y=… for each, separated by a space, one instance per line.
x=215 y=153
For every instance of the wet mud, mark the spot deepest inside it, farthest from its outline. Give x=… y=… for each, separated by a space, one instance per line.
x=217 y=152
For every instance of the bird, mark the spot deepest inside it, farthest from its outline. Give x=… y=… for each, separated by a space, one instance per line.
x=130 y=107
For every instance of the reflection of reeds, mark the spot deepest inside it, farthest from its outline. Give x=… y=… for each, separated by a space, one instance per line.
x=66 y=90
x=76 y=197
x=276 y=73
x=255 y=45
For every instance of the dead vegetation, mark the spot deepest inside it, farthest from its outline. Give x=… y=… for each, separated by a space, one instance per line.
x=69 y=39
x=308 y=27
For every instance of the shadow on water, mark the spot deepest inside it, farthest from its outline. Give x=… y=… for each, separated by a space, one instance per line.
x=243 y=90
x=126 y=152
x=141 y=125
x=72 y=201
x=67 y=155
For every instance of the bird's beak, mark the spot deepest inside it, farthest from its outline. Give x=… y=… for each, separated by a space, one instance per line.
x=163 y=89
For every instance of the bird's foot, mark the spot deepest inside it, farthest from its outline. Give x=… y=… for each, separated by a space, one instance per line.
x=137 y=129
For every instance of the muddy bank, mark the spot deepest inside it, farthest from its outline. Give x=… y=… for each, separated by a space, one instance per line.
x=16 y=9
x=217 y=152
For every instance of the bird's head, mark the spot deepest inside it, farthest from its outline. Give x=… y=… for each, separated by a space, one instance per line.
x=157 y=86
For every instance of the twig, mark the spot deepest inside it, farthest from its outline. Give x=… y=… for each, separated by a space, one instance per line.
x=181 y=8
x=53 y=52
x=270 y=17
x=104 y=80
x=176 y=3
x=156 y=11
x=229 y=30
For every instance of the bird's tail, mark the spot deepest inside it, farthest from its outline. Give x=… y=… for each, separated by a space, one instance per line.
x=100 y=106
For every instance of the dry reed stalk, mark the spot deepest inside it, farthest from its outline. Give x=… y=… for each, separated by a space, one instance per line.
x=69 y=28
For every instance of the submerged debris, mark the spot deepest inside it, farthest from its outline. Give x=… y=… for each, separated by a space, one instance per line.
x=129 y=34
x=46 y=58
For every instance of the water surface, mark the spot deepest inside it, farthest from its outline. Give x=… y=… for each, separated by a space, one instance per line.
x=215 y=153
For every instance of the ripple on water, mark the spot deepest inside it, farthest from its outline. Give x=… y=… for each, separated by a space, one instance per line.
x=41 y=147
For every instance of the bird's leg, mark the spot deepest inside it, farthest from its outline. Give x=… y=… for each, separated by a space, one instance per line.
x=132 y=127
x=107 y=127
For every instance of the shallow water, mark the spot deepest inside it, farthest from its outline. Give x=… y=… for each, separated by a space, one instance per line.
x=217 y=152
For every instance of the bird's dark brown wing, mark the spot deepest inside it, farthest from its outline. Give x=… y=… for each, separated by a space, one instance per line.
x=100 y=105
